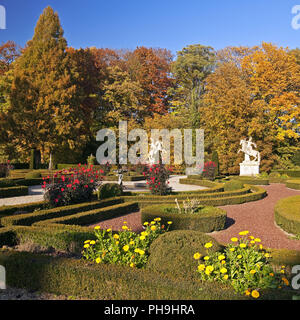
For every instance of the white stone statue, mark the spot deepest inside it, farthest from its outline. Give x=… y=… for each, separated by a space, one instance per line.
x=249 y=167
x=154 y=149
x=249 y=152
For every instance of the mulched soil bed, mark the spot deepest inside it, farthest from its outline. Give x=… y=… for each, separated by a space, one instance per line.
x=257 y=217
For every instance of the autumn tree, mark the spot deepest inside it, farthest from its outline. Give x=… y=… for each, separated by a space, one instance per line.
x=253 y=93
x=193 y=64
x=151 y=69
x=46 y=108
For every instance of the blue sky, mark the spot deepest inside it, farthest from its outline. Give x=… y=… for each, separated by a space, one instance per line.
x=167 y=24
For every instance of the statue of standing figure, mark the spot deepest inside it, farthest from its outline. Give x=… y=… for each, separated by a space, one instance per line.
x=154 y=149
x=249 y=152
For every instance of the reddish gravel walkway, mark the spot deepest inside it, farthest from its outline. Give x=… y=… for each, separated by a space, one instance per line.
x=257 y=217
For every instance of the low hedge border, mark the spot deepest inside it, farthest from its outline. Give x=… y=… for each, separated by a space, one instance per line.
x=204 y=222
x=92 y=216
x=13 y=191
x=198 y=182
x=252 y=181
x=290 y=173
x=180 y=196
x=287 y=214
x=79 y=278
x=257 y=193
x=293 y=184
x=29 y=218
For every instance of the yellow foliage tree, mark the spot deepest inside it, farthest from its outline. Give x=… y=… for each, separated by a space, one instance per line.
x=253 y=92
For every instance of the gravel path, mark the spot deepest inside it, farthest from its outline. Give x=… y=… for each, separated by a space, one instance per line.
x=257 y=217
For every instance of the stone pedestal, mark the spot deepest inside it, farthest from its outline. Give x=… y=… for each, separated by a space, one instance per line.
x=249 y=169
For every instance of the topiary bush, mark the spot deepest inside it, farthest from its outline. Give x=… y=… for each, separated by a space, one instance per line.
x=233 y=185
x=215 y=159
x=172 y=253
x=109 y=190
x=33 y=175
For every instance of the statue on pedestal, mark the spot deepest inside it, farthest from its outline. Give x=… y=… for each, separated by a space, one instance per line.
x=249 y=167
x=154 y=149
x=249 y=152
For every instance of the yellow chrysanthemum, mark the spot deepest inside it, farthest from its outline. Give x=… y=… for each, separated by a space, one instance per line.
x=255 y=294
x=201 y=267
x=86 y=245
x=108 y=230
x=87 y=241
x=225 y=277
x=223 y=270
x=234 y=239
x=243 y=245
x=231 y=249
x=92 y=242
x=252 y=271
x=142 y=237
x=239 y=256
x=247 y=292
x=131 y=242
x=124 y=227
x=157 y=219
x=153 y=228
x=132 y=264
x=206 y=258
x=116 y=236
x=223 y=262
x=97 y=228
x=169 y=222
x=98 y=260
x=221 y=257
x=257 y=240
x=197 y=256
x=126 y=247
x=208 y=245
x=243 y=233
x=146 y=223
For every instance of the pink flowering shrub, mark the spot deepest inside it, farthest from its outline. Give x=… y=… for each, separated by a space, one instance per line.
x=209 y=170
x=157 y=176
x=72 y=186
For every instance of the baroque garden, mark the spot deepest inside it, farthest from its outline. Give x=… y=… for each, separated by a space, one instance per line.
x=75 y=223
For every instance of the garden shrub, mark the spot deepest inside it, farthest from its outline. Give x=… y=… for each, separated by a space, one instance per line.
x=243 y=263
x=287 y=214
x=209 y=170
x=157 y=176
x=215 y=160
x=207 y=219
x=6 y=183
x=109 y=190
x=62 y=276
x=125 y=247
x=293 y=184
x=33 y=175
x=296 y=158
x=91 y=160
x=172 y=252
x=75 y=188
x=233 y=185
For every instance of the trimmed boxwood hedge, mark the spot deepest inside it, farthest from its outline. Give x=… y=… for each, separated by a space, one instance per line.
x=212 y=219
x=217 y=199
x=290 y=173
x=13 y=191
x=29 y=218
x=293 y=184
x=198 y=182
x=92 y=216
x=177 y=248
x=62 y=276
x=251 y=180
x=287 y=214
x=27 y=207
